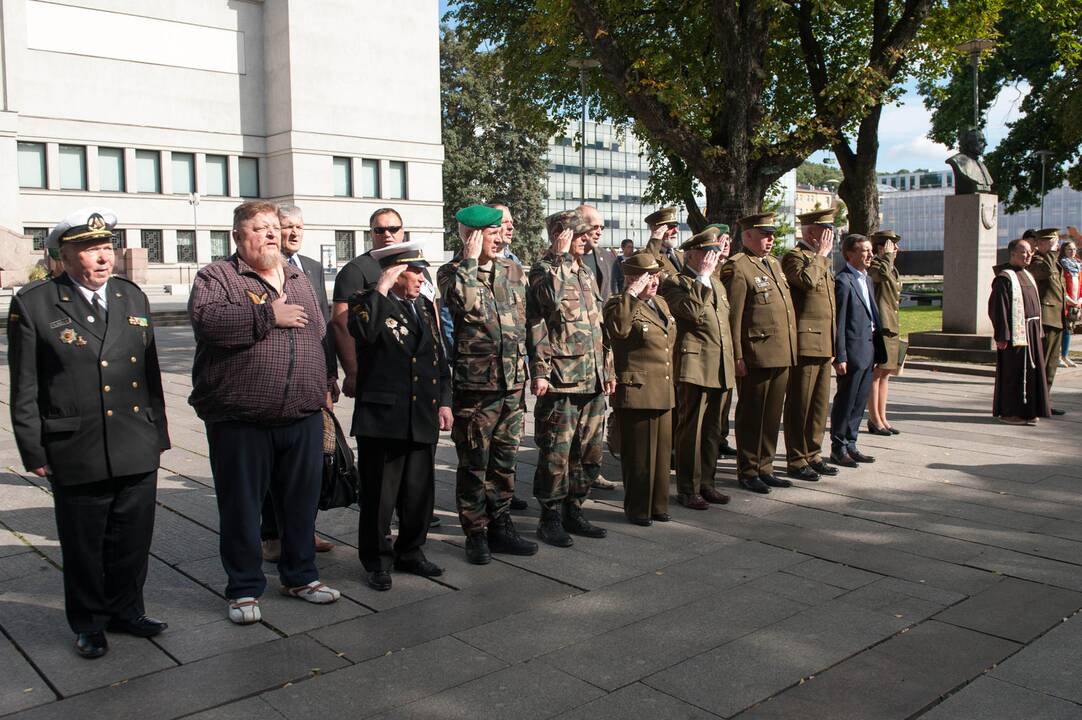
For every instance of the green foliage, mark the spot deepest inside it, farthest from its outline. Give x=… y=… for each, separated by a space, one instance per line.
x=1039 y=49
x=492 y=153
x=816 y=174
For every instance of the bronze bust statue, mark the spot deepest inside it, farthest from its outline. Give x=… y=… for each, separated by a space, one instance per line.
x=970 y=174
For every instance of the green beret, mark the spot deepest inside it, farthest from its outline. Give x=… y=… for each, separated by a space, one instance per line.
x=721 y=228
x=479 y=216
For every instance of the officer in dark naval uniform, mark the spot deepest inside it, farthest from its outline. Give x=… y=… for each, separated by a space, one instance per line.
x=89 y=414
x=403 y=402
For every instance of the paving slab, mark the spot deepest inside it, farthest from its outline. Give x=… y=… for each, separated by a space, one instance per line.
x=988 y=697
x=1014 y=609
x=832 y=573
x=1050 y=664
x=385 y=683
x=253 y=708
x=637 y=701
x=21 y=686
x=199 y=685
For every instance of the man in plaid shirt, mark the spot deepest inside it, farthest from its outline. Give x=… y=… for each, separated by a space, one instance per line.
x=259 y=380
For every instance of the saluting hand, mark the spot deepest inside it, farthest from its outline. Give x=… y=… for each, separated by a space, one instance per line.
x=562 y=243
x=288 y=316
x=826 y=243
x=471 y=248
x=638 y=285
x=710 y=263
x=388 y=277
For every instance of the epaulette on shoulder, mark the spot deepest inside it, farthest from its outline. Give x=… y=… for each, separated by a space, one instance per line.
x=25 y=289
x=125 y=280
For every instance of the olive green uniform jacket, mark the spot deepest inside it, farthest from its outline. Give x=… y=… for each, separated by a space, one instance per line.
x=811 y=283
x=704 y=354
x=761 y=316
x=642 y=348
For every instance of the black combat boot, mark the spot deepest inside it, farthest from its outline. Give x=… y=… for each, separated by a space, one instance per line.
x=503 y=538
x=477 y=551
x=576 y=524
x=550 y=530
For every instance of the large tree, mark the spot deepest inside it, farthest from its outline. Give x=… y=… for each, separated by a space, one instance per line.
x=717 y=88
x=1039 y=52
x=492 y=154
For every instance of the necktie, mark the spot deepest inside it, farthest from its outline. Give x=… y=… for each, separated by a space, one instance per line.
x=293 y=262
x=99 y=311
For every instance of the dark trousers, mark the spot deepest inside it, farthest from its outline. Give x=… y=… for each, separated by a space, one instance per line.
x=396 y=475
x=1053 y=339
x=248 y=461
x=848 y=409
x=759 y=402
x=644 y=461
x=105 y=530
x=698 y=436
x=807 y=401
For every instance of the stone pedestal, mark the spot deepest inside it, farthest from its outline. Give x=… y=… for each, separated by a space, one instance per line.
x=135 y=265
x=969 y=253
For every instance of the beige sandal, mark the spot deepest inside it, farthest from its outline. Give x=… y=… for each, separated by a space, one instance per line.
x=313 y=592
x=245 y=611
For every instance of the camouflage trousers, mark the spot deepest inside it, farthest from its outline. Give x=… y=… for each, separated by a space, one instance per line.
x=569 y=436
x=486 y=433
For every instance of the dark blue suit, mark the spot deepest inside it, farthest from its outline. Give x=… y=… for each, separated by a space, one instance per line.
x=858 y=345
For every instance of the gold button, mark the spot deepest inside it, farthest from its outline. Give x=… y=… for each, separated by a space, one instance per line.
x=433 y=402
x=133 y=358
x=106 y=388
x=109 y=413
x=414 y=397
x=413 y=360
x=415 y=378
x=105 y=363
x=135 y=384
x=135 y=408
x=433 y=381
x=666 y=377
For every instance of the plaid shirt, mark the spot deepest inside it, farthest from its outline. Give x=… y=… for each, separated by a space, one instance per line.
x=245 y=368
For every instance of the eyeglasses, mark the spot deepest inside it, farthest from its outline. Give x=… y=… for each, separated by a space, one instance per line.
x=390 y=230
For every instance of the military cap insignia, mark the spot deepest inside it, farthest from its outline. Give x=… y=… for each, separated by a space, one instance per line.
x=80 y=341
x=67 y=337
x=256 y=299
x=137 y=321
x=96 y=222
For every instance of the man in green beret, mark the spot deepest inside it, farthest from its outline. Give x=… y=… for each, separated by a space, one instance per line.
x=807 y=400
x=486 y=295
x=571 y=371
x=763 y=322
x=704 y=366
x=1046 y=271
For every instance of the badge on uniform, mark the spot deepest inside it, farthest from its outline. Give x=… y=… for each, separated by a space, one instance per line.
x=399 y=331
x=761 y=281
x=361 y=311
x=68 y=336
x=257 y=299
x=137 y=321
x=645 y=327
x=13 y=318
x=80 y=341
x=57 y=323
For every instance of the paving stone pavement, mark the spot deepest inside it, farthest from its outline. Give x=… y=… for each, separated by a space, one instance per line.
x=943 y=582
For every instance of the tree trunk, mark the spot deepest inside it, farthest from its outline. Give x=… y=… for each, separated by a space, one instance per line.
x=859 y=187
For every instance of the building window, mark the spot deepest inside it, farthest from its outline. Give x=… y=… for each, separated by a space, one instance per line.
x=344 y=245
x=152 y=241
x=111 y=169
x=148 y=176
x=120 y=239
x=370 y=178
x=38 y=234
x=183 y=173
x=186 y=246
x=249 y=177
x=396 y=180
x=31 y=165
x=343 y=177
x=219 y=244
x=72 y=167
x=217 y=175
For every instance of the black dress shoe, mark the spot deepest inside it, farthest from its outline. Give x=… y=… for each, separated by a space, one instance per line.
x=644 y=521
x=421 y=566
x=91 y=644
x=893 y=431
x=754 y=484
x=843 y=460
x=726 y=450
x=477 y=552
x=876 y=430
x=379 y=580
x=1057 y=411
x=822 y=468
x=518 y=503
x=805 y=473
x=434 y=521
x=861 y=457
x=141 y=626
x=775 y=481
x=713 y=495
x=661 y=517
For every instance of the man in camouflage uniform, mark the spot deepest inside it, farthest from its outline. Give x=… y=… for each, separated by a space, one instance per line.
x=486 y=294
x=571 y=372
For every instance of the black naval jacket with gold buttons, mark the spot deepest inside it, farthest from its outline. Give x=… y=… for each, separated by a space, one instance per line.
x=86 y=397
x=402 y=373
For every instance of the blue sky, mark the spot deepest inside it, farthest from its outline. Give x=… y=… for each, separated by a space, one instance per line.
x=903 y=129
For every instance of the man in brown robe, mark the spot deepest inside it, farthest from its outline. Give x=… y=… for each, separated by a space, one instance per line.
x=1021 y=393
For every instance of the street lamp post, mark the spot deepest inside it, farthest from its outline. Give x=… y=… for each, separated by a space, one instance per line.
x=582 y=64
x=974 y=48
x=193 y=200
x=1044 y=157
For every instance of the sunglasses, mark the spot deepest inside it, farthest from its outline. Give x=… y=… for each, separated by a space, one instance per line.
x=390 y=230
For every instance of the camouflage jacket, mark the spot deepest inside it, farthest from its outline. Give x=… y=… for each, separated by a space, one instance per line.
x=489 y=312
x=565 y=340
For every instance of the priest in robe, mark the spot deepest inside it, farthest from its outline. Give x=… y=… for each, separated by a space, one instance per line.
x=1021 y=393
